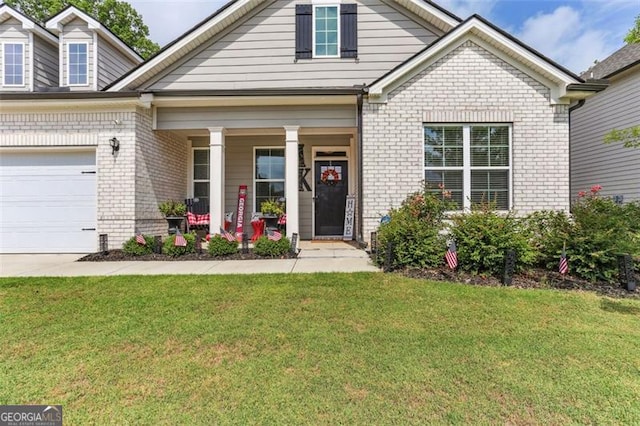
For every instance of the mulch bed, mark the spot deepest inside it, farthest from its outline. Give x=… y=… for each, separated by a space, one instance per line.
x=535 y=278
x=119 y=255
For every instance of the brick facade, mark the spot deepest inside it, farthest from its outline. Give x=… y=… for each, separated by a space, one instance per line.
x=468 y=85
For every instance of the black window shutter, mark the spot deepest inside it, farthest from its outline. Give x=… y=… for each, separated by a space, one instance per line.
x=349 y=30
x=304 y=27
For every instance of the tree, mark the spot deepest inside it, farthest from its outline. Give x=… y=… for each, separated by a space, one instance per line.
x=119 y=16
x=630 y=137
x=633 y=36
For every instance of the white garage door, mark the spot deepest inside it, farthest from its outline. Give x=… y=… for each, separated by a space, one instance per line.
x=48 y=202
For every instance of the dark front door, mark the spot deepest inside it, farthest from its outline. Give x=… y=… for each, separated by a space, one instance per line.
x=331 y=186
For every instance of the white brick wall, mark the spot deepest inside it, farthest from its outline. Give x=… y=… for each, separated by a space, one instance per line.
x=468 y=85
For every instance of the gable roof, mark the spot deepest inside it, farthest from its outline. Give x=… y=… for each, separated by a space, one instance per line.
x=69 y=13
x=493 y=39
x=229 y=14
x=7 y=12
x=619 y=61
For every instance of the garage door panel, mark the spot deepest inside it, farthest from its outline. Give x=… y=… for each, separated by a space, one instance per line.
x=46 y=195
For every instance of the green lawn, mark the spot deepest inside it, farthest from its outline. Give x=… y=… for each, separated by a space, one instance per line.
x=316 y=349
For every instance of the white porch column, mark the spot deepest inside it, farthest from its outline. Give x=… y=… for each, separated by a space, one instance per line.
x=216 y=178
x=291 y=180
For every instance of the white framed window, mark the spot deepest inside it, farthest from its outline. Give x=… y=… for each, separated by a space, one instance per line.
x=268 y=178
x=13 y=64
x=201 y=179
x=78 y=64
x=470 y=161
x=326 y=31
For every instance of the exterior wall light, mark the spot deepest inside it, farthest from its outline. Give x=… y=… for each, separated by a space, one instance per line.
x=115 y=145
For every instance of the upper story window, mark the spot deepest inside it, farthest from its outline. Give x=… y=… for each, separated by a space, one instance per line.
x=471 y=162
x=326 y=31
x=13 y=60
x=78 y=64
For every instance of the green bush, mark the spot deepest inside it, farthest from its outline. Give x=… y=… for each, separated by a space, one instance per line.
x=603 y=229
x=550 y=231
x=170 y=248
x=219 y=246
x=483 y=237
x=132 y=248
x=268 y=248
x=414 y=231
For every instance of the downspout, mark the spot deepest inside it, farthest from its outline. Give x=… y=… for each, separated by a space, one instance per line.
x=359 y=237
x=579 y=105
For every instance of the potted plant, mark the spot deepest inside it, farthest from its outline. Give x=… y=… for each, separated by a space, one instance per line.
x=271 y=211
x=174 y=212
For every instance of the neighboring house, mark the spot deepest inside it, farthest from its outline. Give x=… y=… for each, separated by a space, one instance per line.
x=614 y=167
x=308 y=100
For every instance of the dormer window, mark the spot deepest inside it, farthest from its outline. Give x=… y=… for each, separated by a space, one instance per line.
x=78 y=64
x=13 y=68
x=326 y=31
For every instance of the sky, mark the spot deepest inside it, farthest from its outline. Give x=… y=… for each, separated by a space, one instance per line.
x=573 y=33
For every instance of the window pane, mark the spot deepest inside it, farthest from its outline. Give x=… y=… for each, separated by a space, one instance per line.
x=332 y=50
x=443 y=147
x=201 y=191
x=490 y=146
x=270 y=164
x=201 y=156
x=451 y=181
x=201 y=172
x=490 y=186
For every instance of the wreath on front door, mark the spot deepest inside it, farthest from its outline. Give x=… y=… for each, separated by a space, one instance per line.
x=330 y=177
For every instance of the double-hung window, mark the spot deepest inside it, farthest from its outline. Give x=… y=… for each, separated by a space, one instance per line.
x=326 y=30
x=78 y=64
x=472 y=163
x=201 y=175
x=269 y=175
x=13 y=64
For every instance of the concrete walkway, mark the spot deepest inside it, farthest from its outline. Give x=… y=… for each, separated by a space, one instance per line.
x=314 y=256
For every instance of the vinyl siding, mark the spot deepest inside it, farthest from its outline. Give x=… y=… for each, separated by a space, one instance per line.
x=614 y=167
x=239 y=153
x=77 y=31
x=45 y=67
x=11 y=32
x=248 y=117
x=111 y=63
x=260 y=52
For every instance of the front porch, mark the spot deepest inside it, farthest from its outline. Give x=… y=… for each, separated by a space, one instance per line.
x=286 y=163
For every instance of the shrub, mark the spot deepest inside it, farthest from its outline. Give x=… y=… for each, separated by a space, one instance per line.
x=414 y=231
x=603 y=229
x=171 y=249
x=550 y=231
x=219 y=246
x=269 y=248
x=171 y=208
x=131 y=246
x=483 y=237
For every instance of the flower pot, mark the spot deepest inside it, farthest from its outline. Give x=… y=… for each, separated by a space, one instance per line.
x=175 y=223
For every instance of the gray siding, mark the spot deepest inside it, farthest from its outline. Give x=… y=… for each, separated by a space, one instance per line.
x=45 y=67
x=260 y=52
x=77 y=31
x=239 y=158
x=248 y=117
x=112 y=64
x=614 y=167
x=11 y=32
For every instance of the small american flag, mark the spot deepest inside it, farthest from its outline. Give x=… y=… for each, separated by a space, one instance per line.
x=563 y=268
x=452 y=255
x=140 y=239
x=180 y=240
x=227 y=235
x=274 y=235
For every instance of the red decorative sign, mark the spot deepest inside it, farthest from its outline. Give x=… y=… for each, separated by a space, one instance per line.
x=242 y=201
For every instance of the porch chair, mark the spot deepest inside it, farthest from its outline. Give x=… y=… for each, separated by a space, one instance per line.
x=198 y=217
